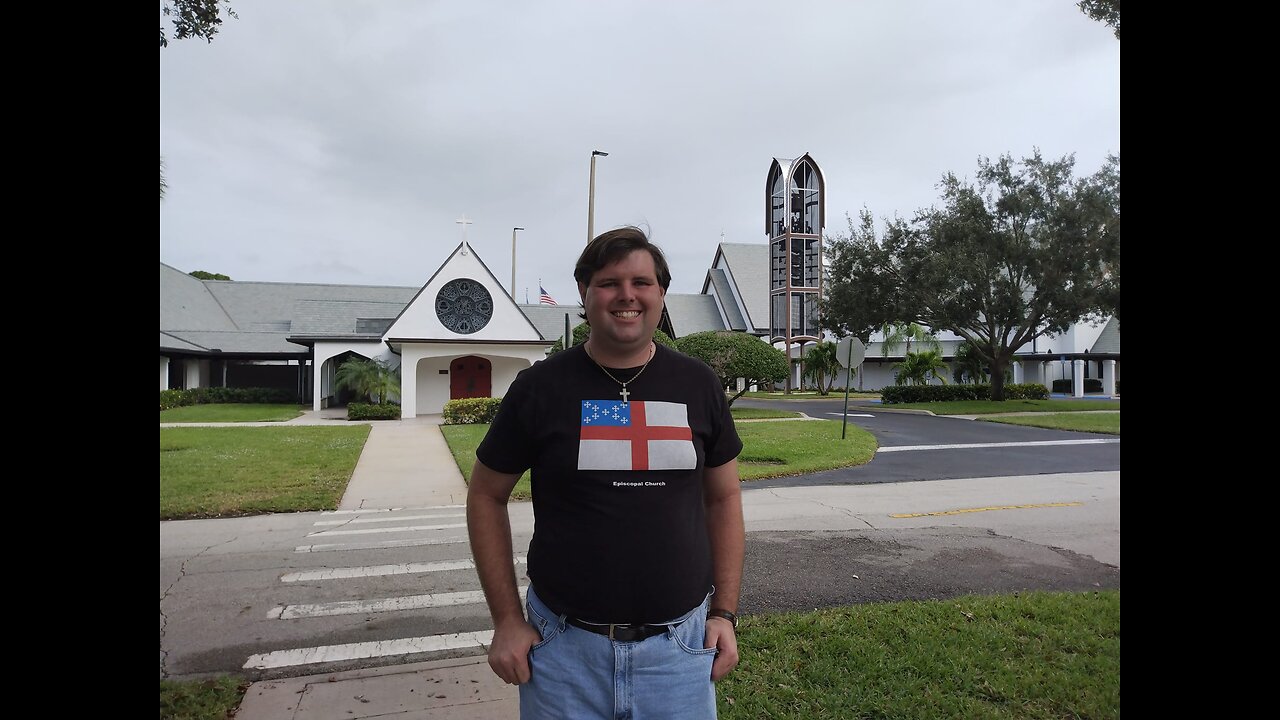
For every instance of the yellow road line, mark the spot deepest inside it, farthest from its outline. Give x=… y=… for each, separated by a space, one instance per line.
x=984 y=509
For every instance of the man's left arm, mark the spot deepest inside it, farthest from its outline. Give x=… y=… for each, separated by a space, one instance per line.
x=722 y=494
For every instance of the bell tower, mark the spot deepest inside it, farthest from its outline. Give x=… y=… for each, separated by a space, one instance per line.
x=794 y=217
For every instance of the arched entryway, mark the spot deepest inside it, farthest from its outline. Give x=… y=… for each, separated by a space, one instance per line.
x=470 y=377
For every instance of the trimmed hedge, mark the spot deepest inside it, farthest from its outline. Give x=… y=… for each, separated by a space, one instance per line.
x=469 y=411
x=372 y=411
x=1090 y=385
x=942 y=393
x=213 y=395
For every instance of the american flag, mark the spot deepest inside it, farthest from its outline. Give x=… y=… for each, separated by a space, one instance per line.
x=544 y=298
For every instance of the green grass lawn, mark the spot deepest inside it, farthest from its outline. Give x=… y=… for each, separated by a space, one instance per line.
x=221 y=472
x=1033 y=656
x=233 y=412
x=746 y=413
x=1081 y=422
x=212 y=699
x=775 y=449
x=986 y=407
x=463 y=441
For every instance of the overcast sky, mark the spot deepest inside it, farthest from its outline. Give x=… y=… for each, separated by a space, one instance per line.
x=335 y=141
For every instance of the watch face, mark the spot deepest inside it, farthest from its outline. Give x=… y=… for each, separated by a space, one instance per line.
x=464 y=306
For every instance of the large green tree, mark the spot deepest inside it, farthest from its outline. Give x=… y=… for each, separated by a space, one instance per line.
x=206 y=275
x=734 y=355
x=1025 y=249
x=194 y=18
x=861 y=308
x=1107 y=11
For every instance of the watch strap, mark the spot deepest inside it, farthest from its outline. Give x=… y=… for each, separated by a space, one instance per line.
x=722 y=613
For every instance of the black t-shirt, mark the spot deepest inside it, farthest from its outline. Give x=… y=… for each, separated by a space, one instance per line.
x=619 y=526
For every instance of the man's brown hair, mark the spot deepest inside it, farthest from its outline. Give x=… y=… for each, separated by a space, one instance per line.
x=614 y=245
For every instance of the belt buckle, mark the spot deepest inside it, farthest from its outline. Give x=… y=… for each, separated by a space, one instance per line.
x=612 y=626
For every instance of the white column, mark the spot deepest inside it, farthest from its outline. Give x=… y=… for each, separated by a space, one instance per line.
x=1017 y=373
x=164 y=373
x=1044 y=375
x=191 y=371
x=409 y=357
x=1109 y=377
x=1077 y=378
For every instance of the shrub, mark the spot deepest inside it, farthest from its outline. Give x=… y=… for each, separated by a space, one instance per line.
x=371 y=411
x=170 y=399
x=213 y=395
x=943 y=393
x=469 y=411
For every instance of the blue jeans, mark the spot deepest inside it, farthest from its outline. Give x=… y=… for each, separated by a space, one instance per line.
x=579 y=675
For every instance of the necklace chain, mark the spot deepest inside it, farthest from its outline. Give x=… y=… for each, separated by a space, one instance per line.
x=624 y=392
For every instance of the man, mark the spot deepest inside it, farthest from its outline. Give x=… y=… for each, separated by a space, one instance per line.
x=636 y=558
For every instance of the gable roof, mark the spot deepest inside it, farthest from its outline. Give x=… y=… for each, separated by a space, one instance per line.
x=1109 y=340
x=693 y=313
x=748 y=271
x=718 y=281
x=418 y=320
x=187 y=304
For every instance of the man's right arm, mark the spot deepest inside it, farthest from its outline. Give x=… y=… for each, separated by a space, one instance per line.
x=489 y=529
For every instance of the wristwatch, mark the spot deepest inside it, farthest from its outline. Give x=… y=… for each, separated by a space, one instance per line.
x=722 y=613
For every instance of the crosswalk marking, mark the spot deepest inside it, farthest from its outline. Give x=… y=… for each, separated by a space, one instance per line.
x=365 y=511
x=332 y=547
x=369 y=531
x=396 y=518
x=361 y=650
x=394 y=604
x=380 y=570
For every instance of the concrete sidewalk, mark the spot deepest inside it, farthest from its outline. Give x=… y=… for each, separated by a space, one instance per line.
x=405 y=463
x=457 y=688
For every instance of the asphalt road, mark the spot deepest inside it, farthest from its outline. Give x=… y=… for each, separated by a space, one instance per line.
x=1002 y=449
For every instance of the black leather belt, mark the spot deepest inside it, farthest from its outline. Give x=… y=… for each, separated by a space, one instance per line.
x=622 y=633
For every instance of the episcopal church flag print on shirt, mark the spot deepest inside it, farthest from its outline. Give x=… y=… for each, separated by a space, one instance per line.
x=637 y=435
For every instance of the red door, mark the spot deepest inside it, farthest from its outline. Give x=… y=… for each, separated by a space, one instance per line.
x=470 y=377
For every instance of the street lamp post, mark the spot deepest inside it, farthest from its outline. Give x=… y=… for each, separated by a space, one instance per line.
x=591 y=201
x=513 y=262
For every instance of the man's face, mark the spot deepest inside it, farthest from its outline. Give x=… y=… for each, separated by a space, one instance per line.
x=623 y=303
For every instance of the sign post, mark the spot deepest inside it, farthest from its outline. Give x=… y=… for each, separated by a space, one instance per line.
x=846 y=351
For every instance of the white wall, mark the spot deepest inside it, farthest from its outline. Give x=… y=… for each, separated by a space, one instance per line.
x=1078 y=338
x=323 y=370
x=426 y=391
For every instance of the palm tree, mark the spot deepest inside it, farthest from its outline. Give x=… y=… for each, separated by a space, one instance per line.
x=821 y=364
x=969 y=364
x=896 y=334
x=368 y=378
x=917 y=367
